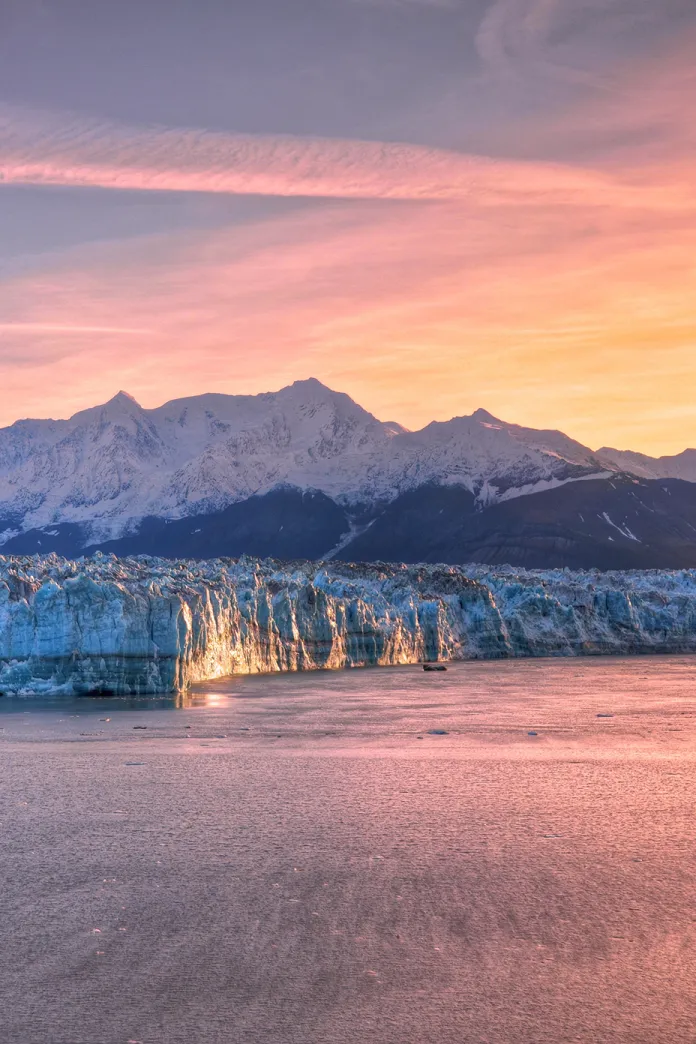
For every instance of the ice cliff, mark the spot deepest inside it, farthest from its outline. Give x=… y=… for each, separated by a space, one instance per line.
x=147 y=625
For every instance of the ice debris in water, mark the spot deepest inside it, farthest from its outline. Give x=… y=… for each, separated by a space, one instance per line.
x=141 y=625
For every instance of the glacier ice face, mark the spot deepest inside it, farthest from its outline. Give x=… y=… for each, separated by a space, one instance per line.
x=147 y=625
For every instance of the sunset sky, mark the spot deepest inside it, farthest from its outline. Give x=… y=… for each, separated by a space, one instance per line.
x=433 y=205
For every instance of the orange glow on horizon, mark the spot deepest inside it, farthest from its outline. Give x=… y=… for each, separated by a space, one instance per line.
x=563 y=299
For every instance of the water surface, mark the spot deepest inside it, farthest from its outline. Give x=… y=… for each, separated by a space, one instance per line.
x=503 y=853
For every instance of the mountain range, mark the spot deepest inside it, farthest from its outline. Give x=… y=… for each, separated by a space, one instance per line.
x=306 y=472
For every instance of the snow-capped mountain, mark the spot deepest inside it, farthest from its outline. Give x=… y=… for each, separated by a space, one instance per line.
x=306 y=472
x=118 y=462
x=679 y=466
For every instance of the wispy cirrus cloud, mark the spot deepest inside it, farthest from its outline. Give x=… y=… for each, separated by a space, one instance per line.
x=71 y=328
x=583 y=42
x=442 y=5
x=578 y=318
x=549 y=293
x=57 y=149
x=512 y=29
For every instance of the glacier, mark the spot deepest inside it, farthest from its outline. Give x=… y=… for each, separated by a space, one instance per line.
x=146 y=625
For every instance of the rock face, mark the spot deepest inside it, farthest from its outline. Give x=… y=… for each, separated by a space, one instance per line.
x=622 y=523
x=148 y=625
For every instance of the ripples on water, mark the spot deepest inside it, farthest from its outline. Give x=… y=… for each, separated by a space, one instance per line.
x=501 y=853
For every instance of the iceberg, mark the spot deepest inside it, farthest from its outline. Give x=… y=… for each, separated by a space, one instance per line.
x=148 y=625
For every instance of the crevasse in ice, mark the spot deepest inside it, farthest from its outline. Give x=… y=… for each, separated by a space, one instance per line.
x=148 y=625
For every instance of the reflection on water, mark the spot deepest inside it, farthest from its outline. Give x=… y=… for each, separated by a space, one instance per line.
x=91 y=704
x=560 y=700
x=465 y=690
x=501 y=854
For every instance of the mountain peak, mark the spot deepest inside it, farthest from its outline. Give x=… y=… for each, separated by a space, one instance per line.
x=310 y=382
x=123 y=397
x=311 y=386
x=484 y=416
x=315 y=393
x=121 y=403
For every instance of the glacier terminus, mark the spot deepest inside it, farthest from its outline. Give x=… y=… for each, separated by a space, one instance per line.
x=105 y=625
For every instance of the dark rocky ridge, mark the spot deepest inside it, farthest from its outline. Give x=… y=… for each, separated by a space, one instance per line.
x=616 y=523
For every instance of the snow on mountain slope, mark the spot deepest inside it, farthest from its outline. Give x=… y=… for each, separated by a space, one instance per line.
x=680 y=466
x=493 y=459
x=112 y=464
x=119 y=461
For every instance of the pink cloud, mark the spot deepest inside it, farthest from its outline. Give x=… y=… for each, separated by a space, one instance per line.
x=69 y=328
x=581 y=319
x=550 y=295
x=53 y=149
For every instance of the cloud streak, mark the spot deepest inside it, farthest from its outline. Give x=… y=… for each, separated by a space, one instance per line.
x=70 y=328
x=514 y=35
x=53 y=149
x=551 y=294
x=519 y=37
x=576 y=319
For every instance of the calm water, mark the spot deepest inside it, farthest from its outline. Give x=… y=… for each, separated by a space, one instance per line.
x=308 y=864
